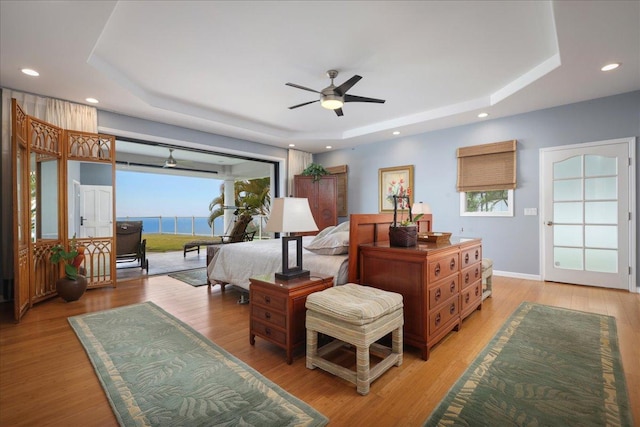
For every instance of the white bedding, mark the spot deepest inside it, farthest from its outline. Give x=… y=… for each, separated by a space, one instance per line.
x=236 y=263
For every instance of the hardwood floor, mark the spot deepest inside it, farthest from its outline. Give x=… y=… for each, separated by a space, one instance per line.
x=47 y=379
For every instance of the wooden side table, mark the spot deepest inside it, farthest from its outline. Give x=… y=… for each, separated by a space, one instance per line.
x=278 y=311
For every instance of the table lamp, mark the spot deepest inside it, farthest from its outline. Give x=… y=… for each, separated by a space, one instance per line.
x=420 y=208
x=291 y=215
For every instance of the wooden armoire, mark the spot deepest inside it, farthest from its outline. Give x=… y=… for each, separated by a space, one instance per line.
x=323 y=198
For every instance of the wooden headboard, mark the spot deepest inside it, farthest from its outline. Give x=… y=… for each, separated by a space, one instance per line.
x=369 y=228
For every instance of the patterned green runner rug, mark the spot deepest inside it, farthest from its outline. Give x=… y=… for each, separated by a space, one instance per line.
x=196 y=277
x=547 y=366
x=156 y=370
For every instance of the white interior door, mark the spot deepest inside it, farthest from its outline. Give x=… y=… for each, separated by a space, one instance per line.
x=96 y=211
x=586 y=199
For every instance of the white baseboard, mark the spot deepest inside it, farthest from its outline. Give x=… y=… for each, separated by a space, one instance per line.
x=517 y=275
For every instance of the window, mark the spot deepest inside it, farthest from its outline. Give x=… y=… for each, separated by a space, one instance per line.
x=486 y=203
x=487 y=178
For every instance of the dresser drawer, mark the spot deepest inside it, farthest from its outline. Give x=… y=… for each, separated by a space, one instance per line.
x=443 y=266
x=471 y=256
x=469 y=275
x=268 y=316
x=439 y=317
x=269 y=332
x=442 y=290
x=471 y=296
x=274 y=302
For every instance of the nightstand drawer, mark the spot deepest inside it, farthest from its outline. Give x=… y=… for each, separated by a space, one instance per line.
x=471 y=296
x=269 y=332
x=443 y=266
x=268 y=316
x=274 y=302
x=471 y=256
x=440 y=317
x=442 y=291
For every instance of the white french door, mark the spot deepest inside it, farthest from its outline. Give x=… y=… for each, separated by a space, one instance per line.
x=586 y=213
x=96 y=210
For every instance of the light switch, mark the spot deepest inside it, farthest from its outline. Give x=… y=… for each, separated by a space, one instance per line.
x=531 y=211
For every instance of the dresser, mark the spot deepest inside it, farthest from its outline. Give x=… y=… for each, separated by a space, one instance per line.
x=278 y=309
x=441 y=284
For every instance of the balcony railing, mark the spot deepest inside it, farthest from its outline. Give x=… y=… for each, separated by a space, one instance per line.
x=189 y=225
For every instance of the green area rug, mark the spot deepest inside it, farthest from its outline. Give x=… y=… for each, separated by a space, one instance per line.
x=156 y=370
x=196 y=277
x=547 y=366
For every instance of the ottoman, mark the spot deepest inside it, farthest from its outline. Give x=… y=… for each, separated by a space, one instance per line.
x=487 y=274
x=357 y=315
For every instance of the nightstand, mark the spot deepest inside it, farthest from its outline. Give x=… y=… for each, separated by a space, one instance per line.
x=278 y=311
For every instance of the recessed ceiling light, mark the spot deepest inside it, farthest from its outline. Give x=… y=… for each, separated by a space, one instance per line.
x=292 y=145
x=328 y=147
x=611 y=66
x=483 y=115
x=396 y=133
x=92 y=100
x=30 y=72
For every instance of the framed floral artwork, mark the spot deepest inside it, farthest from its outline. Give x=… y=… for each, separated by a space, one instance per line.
x=395 y=181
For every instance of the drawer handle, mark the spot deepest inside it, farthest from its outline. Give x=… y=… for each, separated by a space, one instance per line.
x=466 y=298
x=267 y=315
x=452 y=309
x=452 y=264
x=267 y=299
x=477 y=272
x=267 y=331
x=477 y=254
x=466 y=278
x=477 y=290
x=438 y=294
x=437 y=319
x=466 y=258
x=437 y=269
x=452 y=287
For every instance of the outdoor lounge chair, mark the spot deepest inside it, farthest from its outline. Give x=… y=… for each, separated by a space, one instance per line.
x=130 y=246
x=238 y=234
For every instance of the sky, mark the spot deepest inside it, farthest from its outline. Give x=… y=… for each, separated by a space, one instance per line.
x=145 y=194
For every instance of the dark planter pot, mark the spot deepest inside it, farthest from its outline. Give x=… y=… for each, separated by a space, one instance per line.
x=403 y=236
x=70 y=289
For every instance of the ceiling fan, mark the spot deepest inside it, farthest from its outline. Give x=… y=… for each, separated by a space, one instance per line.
x=333 y=97
x=170 y=162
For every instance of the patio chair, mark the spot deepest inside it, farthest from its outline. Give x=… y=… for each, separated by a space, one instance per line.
x=238 y=234
x=130 y=246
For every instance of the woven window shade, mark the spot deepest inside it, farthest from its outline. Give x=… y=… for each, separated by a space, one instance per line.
x=487 y=167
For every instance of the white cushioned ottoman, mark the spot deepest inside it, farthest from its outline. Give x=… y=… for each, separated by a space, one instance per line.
x=357 y=315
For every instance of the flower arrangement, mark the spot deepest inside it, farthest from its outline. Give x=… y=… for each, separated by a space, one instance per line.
x=72 y=258
x=401 y=199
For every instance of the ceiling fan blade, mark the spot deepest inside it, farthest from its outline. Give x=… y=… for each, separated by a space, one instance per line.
x=303 y=104
x=301 y=87
x=344 y=87
x=339 y=112
x=354 y=98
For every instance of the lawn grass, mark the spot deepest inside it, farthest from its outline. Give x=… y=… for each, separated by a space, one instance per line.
x=169 y=242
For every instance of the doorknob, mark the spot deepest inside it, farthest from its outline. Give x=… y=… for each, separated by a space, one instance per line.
x=81 y=220
x=549 y=223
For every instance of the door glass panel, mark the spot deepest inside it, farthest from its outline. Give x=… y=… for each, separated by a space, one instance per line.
x=570 y=168
x=567 y=213
x=567 y=235
x=569 y=189
x=601 y=236
x=601 y=212
x=568 y=258
x=602 y=260
x=19 y=180
x=599 y=165
x=600 y=188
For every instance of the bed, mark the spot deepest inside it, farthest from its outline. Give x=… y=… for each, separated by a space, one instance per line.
x=236 y=264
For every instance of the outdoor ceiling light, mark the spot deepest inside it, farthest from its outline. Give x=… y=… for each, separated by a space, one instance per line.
x=170 y=162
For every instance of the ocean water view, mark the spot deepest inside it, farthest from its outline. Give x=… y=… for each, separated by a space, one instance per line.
x=185 y=225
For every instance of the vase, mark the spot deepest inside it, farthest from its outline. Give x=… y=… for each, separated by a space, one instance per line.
x=404 y=236
x=71 y=289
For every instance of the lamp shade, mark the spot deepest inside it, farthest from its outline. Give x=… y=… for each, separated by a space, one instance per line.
x=292 y=215
x=420 y=208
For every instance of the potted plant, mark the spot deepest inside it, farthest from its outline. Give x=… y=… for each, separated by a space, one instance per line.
x=316 y=171
x=403 y=233
x=72 y=285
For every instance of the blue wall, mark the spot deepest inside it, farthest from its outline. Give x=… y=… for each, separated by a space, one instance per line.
x=512 y=242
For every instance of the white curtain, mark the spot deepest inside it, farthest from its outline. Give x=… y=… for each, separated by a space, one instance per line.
x=297 y=162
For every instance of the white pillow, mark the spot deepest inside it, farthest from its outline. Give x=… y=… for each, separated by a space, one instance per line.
x=330 y=244
x=341 y=227
x=326 y=231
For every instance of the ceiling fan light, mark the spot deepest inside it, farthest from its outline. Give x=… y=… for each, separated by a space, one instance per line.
x=331 y=102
